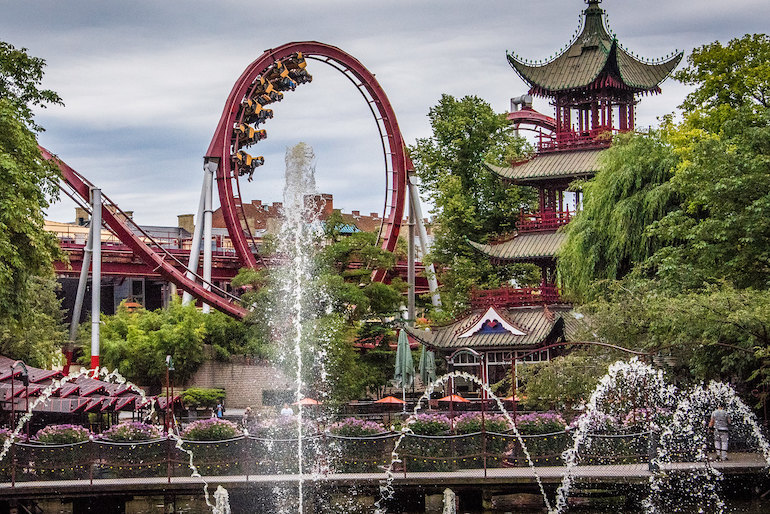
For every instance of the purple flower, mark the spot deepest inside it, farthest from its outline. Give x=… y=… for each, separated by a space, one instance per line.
x=354 y=427
x=131 y=431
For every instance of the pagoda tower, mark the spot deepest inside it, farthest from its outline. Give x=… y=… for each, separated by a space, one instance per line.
x=594 y=85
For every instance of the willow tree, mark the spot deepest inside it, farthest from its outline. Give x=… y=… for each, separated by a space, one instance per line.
x=610 y=235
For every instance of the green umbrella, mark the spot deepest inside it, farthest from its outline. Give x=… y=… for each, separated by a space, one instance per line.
x=427 y=365
x=404 y=364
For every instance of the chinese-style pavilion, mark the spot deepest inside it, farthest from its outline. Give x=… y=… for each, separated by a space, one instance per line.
x=594 y=85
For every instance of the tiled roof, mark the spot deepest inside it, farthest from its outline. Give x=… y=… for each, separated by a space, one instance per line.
x=539 y=324
x=592 y=53
x=582 y=163
x=526 y=246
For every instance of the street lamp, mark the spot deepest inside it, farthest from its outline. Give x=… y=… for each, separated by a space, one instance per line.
x=169 y=368
x=24 y=377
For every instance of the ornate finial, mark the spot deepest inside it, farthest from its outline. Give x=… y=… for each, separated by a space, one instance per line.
x=589 y=2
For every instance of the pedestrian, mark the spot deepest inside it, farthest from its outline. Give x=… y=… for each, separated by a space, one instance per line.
x=286 y=410
x=220 y=409
x=720 y=421
x=247 y=415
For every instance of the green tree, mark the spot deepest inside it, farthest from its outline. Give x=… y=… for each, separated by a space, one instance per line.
x=609 y=236
x=469 y=201
x=27 y=182
x=733 y=75
x=37 y=334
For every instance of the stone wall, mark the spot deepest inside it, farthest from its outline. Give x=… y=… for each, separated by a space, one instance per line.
x=243 y=379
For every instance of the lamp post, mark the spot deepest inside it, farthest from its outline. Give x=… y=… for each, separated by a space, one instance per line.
x=25 y=380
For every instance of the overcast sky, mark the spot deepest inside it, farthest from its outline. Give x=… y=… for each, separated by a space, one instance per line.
x=144 y=82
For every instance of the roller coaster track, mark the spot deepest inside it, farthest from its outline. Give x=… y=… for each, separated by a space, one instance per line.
x=276 y=70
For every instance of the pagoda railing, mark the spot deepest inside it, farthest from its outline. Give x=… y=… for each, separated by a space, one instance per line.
x=542 y=221
x=515 y=297
x=600 y=137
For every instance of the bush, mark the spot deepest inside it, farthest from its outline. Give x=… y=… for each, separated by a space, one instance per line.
x=202 y=397
x=470 y=422
x=354 y=427
x=540 y=423
x=212 y=429
x=131 y=431
x=62 y=434
x=429 y=424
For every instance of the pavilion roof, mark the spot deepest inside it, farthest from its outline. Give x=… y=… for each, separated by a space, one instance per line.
x=594 y=59
x=528 y=246
x=539 y=324
x=551 y=166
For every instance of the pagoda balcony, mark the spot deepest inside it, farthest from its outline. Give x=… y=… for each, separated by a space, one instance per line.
x=600 y=137
x=515 y=297
x=542 y=221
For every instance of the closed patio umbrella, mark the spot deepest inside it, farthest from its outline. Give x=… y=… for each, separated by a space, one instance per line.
x=427 y=365
x=404 y=375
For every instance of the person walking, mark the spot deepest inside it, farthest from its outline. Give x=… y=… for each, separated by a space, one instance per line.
x=720 y=422
x=220 y=410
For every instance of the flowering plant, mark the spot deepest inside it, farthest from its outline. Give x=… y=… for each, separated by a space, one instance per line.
x=429 y=424
x=354 y=427
x=597 y=421
x=540 y=423
x=470 y=422
x=212 y=429
x=62 y=434
x=284 y=427
x=131 y=431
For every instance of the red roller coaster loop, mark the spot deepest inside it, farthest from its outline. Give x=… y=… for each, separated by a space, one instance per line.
x=250 y=87
x=232 y=134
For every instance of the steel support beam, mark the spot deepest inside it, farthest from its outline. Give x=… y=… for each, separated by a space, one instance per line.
x=96 y=273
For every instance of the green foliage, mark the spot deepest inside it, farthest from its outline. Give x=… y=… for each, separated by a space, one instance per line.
x=37 y=334
x=136 y=343
x=203 y=397
x=27 y=184
x=469 y=201
x=630 y=192
x=719 y=332
x=62 y=434
x=20 y=78
x=565 y=381
x=731 y=75
x=720 y=228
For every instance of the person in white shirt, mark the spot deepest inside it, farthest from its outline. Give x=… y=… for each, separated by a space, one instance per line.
x=720 y=422
x=286 y=410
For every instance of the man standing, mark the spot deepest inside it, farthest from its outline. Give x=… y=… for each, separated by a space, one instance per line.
x=720 y=422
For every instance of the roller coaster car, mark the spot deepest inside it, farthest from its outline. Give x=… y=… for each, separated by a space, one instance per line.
x=284 y=84
x=262 y=86
x=248 y=135
x=300 y=76
x=267 y=98
x=275 y=72
x=246 y=164
x=295 y=61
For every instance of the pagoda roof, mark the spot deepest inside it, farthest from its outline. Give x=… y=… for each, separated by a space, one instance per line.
x=594 y=59
x=533 y=326
x=555 y=165
x=530 y=246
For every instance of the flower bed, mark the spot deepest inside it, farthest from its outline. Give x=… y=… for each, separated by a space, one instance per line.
x=362 y=454
x=212 y=429
x=131 y=431
x=62 y=434
x=354 y=427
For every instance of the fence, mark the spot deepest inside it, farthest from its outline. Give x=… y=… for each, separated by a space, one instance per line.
x=249 y=455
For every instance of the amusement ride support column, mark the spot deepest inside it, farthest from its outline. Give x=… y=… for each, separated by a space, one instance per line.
x=96 y=274
x=79 y=296
x=211 y=168
x=195 y=250
x=410 y=267
x=414 y=201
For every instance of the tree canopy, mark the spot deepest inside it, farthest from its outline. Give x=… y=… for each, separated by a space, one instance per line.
x=469 y=202
x=27 y=182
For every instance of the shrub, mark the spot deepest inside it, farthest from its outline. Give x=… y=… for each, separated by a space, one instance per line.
x=284 y=427
x=131 y=431
x=429 y=424
x=202 y=397
x=354 y=427
x=62 y=434
x=540 y=423
x=212 y=429
x=470 y=422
